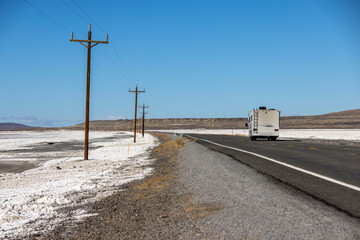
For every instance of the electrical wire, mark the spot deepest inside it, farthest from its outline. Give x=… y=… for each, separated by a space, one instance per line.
x=61 y=25
x=89 y=16
x=127 y=76
x=116 y=66
x=106 y=73
x=44 y=14
x=73 y=10
x=122 y=63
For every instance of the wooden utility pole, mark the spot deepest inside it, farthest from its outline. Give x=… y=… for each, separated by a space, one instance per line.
x=139 y=123
x=143 y=118
x=136 y=94
x=88 y=46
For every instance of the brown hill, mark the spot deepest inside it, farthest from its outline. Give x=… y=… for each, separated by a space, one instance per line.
x=339 y=120
x=13 y=126
x=344 y=119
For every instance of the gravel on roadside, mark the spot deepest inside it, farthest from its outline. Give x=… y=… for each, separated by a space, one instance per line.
x=197 y=193
x=256 y=206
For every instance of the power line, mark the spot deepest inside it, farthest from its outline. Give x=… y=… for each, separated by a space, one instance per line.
x=59 y=24
x=122 y=63
x=89 y=16
x=102 y=46
x=50 y=18
x=116 y=66
x=110 y=76
x=127 y=76
x=73 y=10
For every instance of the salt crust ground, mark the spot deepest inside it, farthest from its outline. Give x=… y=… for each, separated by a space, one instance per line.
x=330 y=134
x=30 y=200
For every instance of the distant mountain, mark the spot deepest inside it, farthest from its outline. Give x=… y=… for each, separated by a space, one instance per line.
x=338 y=120
x=13 y=126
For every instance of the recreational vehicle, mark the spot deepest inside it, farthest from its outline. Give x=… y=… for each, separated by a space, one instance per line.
x=264 y=123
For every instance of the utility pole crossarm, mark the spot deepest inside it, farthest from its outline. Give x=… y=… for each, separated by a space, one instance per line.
x=91 y=41
x=137 y=92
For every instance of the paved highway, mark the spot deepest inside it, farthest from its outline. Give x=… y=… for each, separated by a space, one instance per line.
x=329 y=173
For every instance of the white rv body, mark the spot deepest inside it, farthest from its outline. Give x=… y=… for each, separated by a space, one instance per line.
x=264 y=123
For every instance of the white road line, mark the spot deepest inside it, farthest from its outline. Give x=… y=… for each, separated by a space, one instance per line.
x=285 y=164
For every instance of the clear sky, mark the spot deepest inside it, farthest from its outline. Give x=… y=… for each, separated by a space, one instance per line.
x=195 y=58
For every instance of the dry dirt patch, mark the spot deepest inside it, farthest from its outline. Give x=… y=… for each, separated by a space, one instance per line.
x=199 y=210
x=168 y=151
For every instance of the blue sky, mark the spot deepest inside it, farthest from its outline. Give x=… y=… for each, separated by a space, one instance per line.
x=194 y=58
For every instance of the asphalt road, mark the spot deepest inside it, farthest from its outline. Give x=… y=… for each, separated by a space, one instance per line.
x=338 y=163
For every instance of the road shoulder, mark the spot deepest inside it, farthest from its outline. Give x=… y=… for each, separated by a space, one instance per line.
x=197 y=193
x=151 y=208
x=254 y=205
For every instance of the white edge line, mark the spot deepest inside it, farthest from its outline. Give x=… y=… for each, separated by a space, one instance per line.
x=285 y=164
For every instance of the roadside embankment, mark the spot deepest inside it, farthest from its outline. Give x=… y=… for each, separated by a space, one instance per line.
x=197 y=193
x=146 y=209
